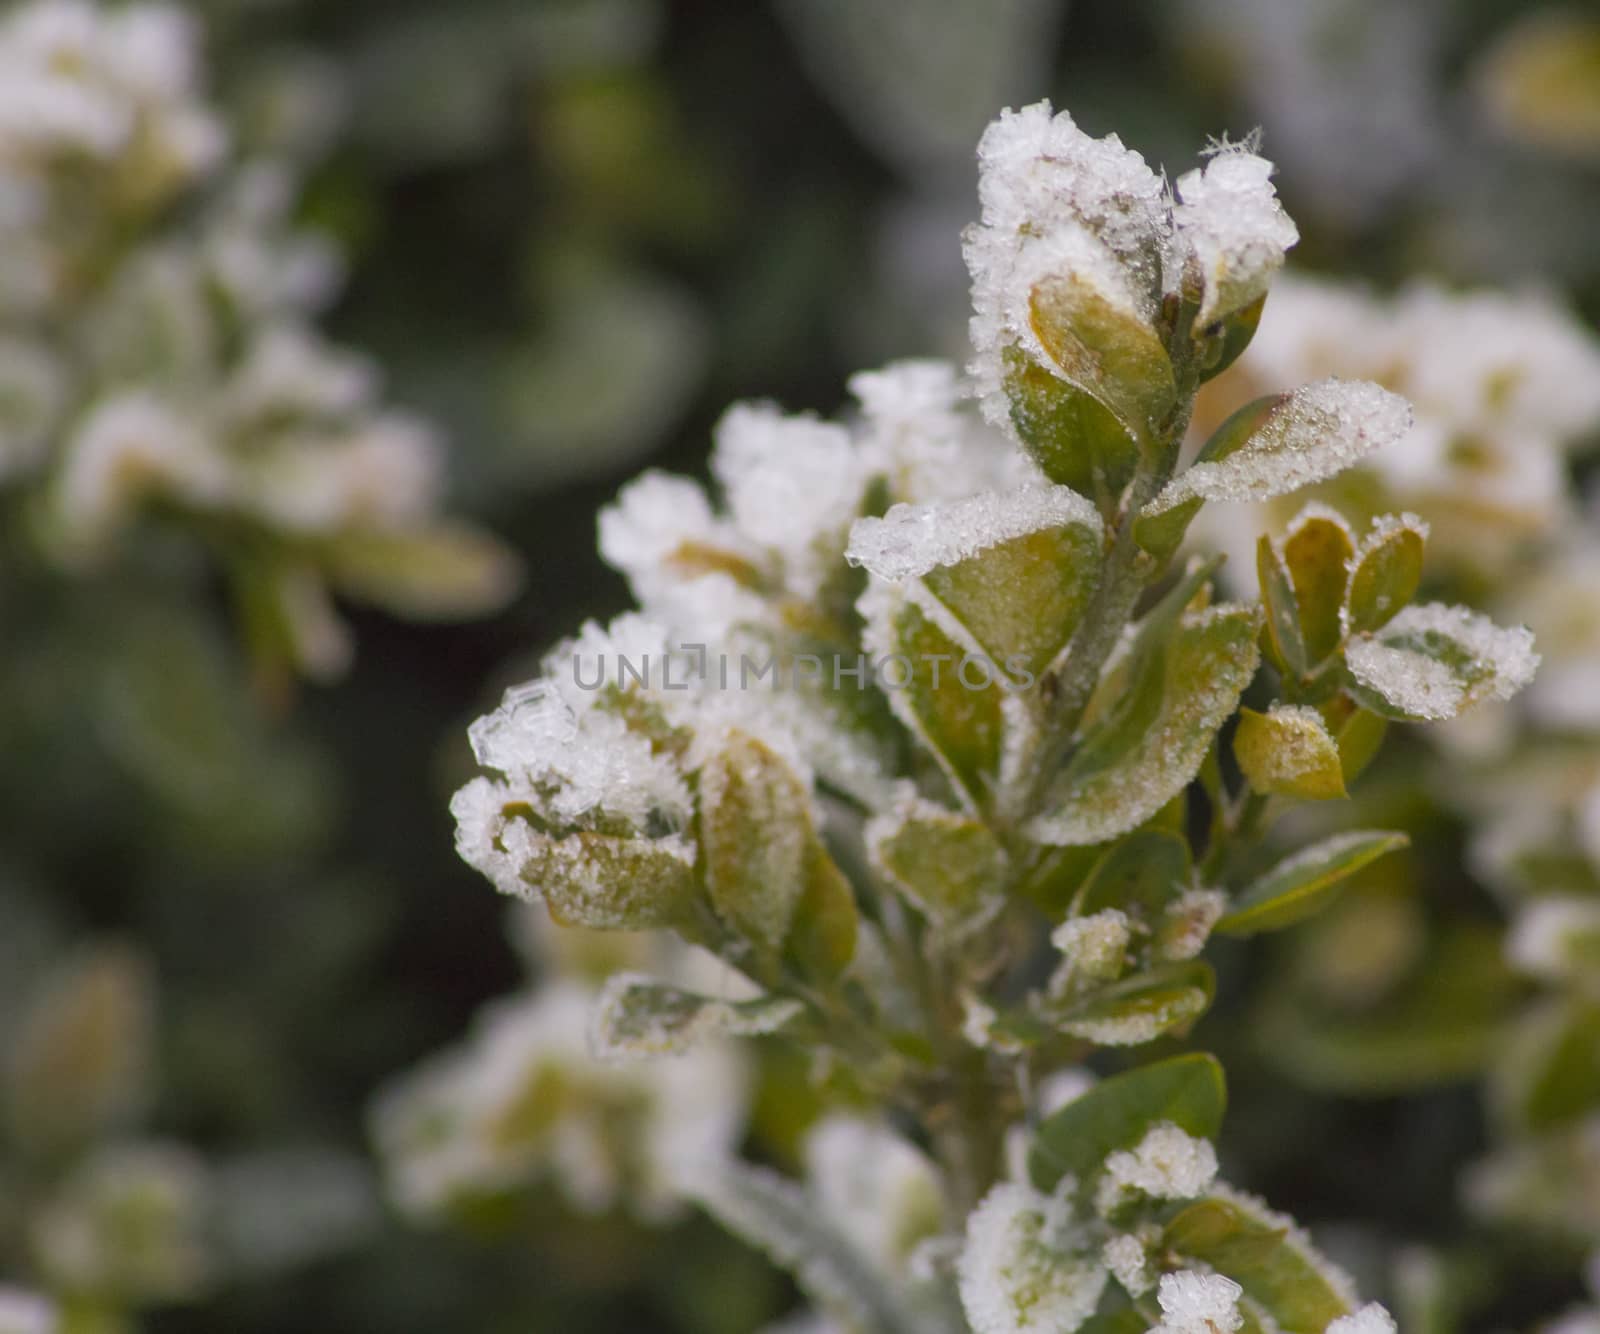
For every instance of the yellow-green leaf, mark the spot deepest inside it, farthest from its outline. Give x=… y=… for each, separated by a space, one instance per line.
x=1306 y=881
x=1288 y=751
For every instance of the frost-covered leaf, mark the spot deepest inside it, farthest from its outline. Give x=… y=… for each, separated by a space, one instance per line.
x=1283 y=642
x=1073 y=438
x=777 y=1216
x=1140 y=1009
x=1288 y=751
x=1229 y=218
x=919 y=665
x=1305 y=882
x=637 y=1016
x=1013 y=569
x=1432 y=661
x=1118 y=1112
x=826 y=926
x=1018 y=1273
x=1386 y=572
x=1280 y=444
x=1104 y=347
x=757 y=837
x=1318 y=550
x=1146 y=750
x=951 y=866
x=1268 y=1256
x=607 y=882
x=1167 y=1164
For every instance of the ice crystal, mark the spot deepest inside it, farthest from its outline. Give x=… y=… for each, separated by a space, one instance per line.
x=1124 y=1255
x=1317 y=432
x=1229 y=216
x=911 y=540
x=1197 y=1303
x=1096 y=945
x=1370 y=1319
x=1432 y=660
x=1167 y=1164
x=1013 y=1274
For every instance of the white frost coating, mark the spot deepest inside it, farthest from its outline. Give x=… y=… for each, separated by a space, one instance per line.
x=793 y=484
x=1051 y=194
x=1187 y=922
x=1500 y=661
x=571 y=766
x=1095 y=946
x=1293 y=1235
x=1317 y=432
x=621 y=1030
x=651 y=518
x=1167 y=1164
x=1542 y=937
x=1196 y=1303
x=459 y=1125
x=1370 y=1319
x=1014 y=1275
x=1124 y=1255
x=911 y=540
x=1229 y=215
x=1417 y=684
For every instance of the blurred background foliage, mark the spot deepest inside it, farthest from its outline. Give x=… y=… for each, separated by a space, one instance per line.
x=575 y=230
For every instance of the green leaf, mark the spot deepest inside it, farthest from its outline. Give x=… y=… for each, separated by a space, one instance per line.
x=950 y=866
x=822 y=938
x=1141 y=872
x=962 y=728
x=1287 y=751
x=1305 y=882
x=756 y=834
x=1432 y=661
x=1284 y=442
x=1074 y=439
x=1387 y=573
x=611 y=883
x=1022 y=599
x=1116 y=1113
x=1360 y=738
x=1285 y=646
x=1104 y=349
x=640 y=1017
x=1140 y=1009
x=1229 y=336
x=448 y=572
x=1267 y=1256
x=1318 y=551
x=778 y=1217
x=1135 y=760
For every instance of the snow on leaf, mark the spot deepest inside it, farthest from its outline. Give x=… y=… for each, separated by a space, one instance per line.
x=951 y=866
x=1307 y=436
x=1229 y=216
x=1306 y=881
x=1288 y=750
x=1432 y=661
x=1138 y=757
x=638 y=1016
x=1198 y=1303
x=1016 y=1274
x=1167 y=1164
x=1271 y=1258
x=1370 y=1319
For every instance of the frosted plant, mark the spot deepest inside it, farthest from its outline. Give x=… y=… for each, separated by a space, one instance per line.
x=159 y=364
x=926 y=728
x=522 y=1102
x=104 y=1217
